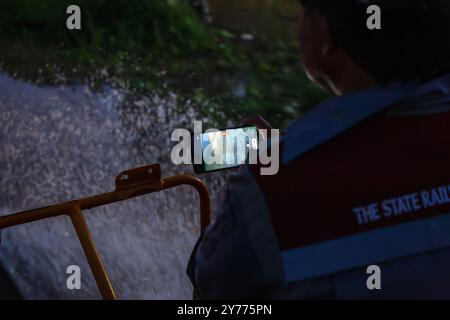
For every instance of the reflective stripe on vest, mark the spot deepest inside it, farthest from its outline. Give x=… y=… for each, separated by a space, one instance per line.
x=378 y=192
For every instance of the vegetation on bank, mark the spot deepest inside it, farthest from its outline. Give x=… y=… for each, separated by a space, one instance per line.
x=156 y=46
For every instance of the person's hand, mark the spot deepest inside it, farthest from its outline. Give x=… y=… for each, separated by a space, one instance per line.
x=257 y=121
x=260 y=123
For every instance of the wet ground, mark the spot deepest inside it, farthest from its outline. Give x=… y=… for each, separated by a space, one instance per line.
x=62 y=142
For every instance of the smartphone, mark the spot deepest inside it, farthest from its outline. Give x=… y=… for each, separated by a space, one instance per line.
x=216 y=150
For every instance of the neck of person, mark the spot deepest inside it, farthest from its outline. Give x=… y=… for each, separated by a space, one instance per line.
x=345 y=78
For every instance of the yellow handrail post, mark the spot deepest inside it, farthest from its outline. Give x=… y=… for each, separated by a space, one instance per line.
x=129 y=184
x=92 y=255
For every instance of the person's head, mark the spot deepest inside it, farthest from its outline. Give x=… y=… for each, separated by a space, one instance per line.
x=339 y=52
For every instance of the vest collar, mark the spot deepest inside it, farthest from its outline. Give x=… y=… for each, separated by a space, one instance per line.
x=338 y=114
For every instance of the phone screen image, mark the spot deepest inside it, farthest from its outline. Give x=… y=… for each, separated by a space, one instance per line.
x=224 y=149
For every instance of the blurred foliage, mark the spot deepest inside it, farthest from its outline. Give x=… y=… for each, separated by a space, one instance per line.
x=157 y=46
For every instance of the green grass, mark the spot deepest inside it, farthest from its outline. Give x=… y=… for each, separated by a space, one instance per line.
x=156 y=46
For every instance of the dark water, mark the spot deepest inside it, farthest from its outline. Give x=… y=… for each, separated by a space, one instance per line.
x=59 y=143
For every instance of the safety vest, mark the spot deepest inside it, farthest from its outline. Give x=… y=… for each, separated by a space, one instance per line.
x=375 y=193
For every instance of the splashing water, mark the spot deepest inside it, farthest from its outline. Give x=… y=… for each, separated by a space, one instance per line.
x=62 y=142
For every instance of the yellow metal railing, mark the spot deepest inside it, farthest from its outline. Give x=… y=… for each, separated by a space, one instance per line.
x=129 y=184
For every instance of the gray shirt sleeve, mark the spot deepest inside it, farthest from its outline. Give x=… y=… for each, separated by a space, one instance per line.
x=238 y=256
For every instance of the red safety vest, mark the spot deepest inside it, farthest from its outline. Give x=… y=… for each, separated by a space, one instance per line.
x=384 y=172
